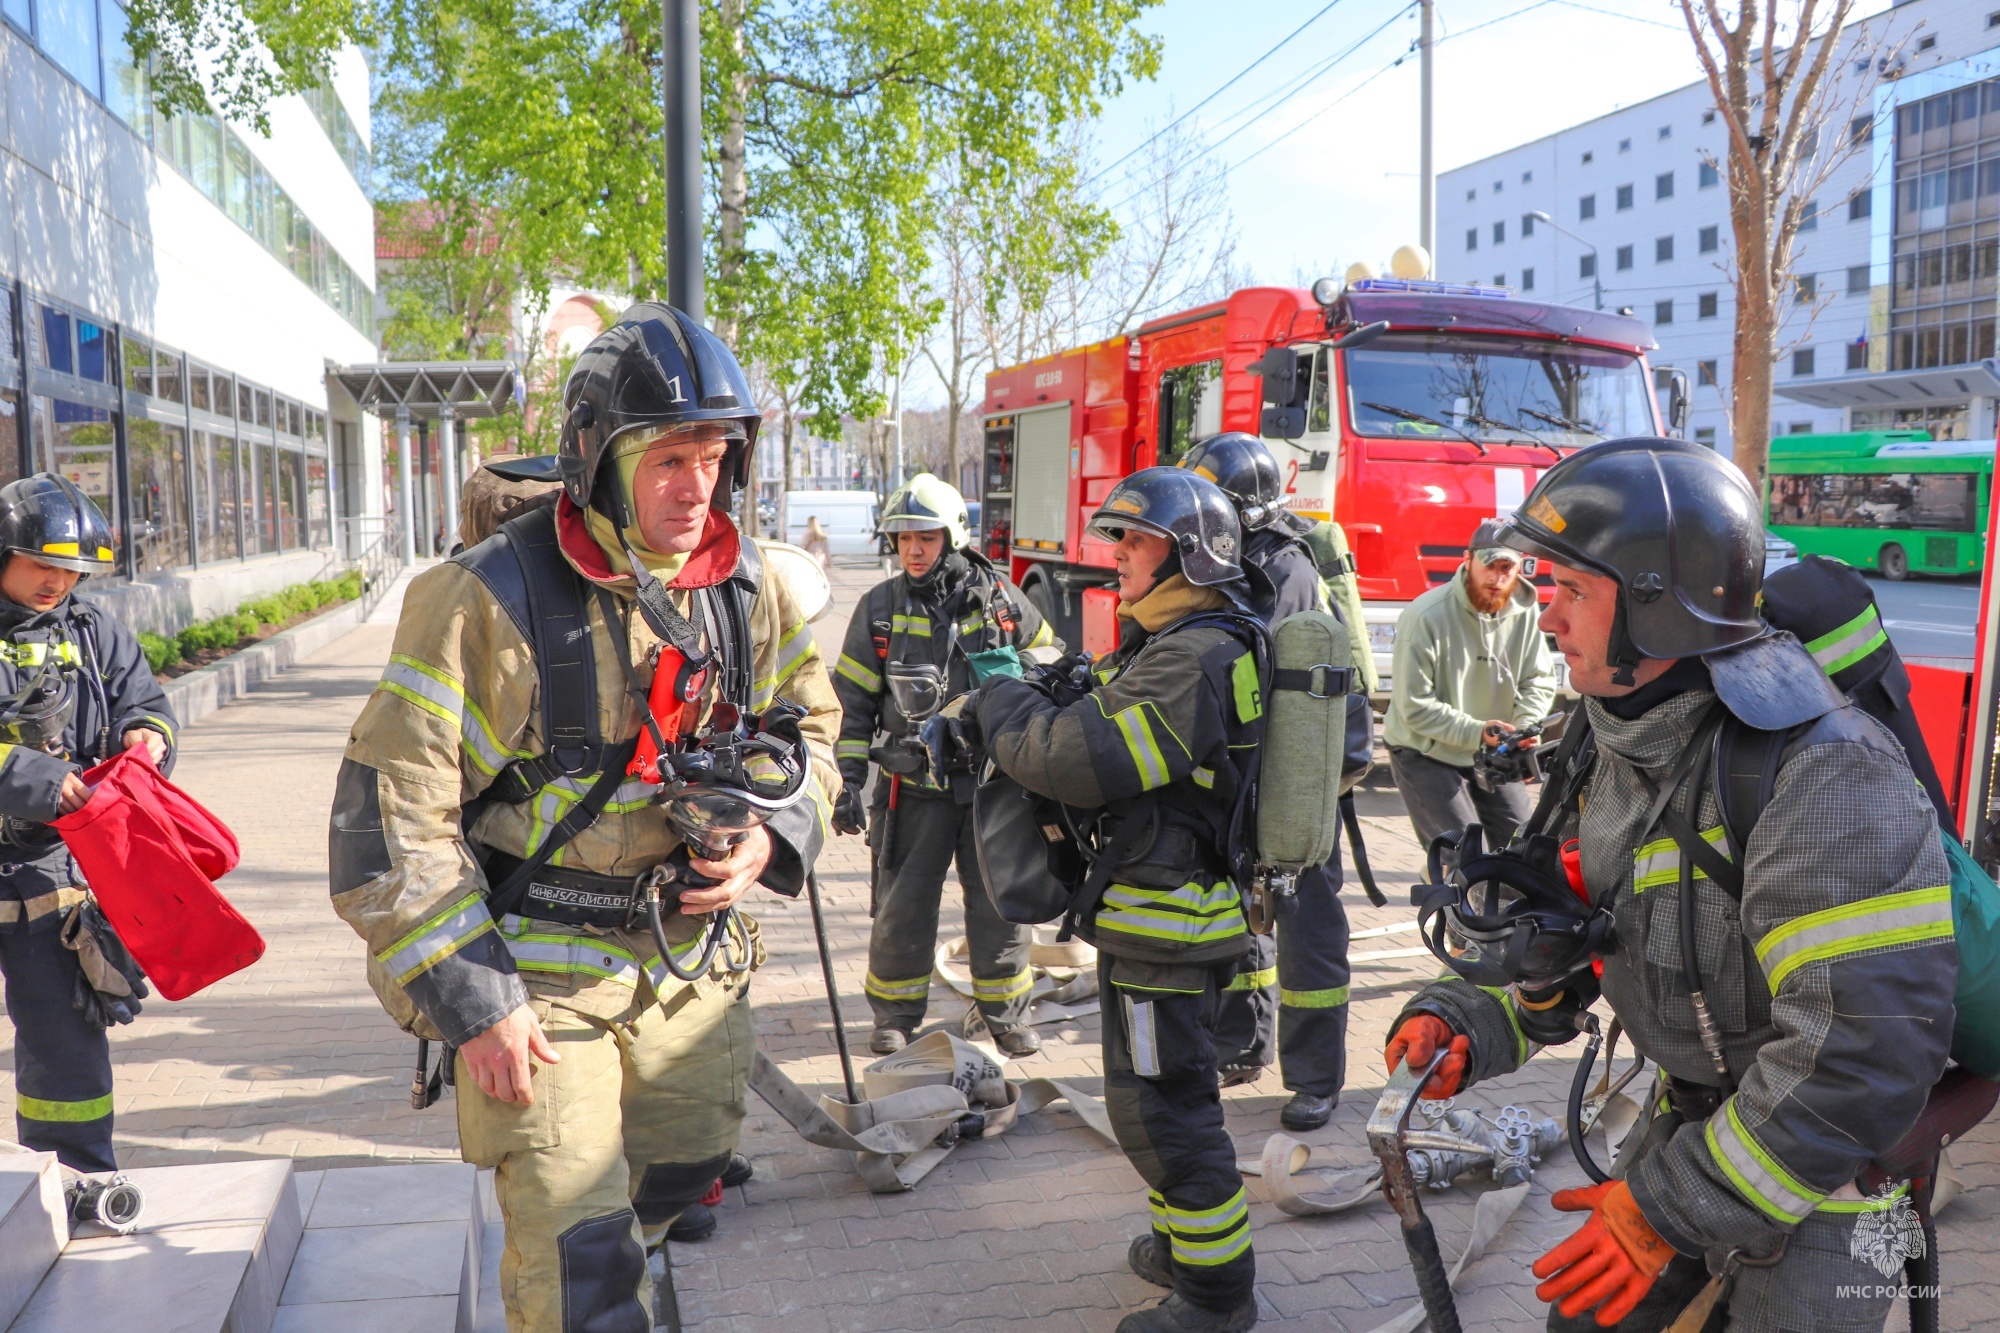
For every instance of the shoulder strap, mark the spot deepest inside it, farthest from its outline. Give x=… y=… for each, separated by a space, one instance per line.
x=506 y=896
x=523 y=567
x=1747 y=760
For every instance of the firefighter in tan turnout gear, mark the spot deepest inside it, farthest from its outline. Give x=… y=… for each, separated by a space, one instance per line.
x=501 y=832
x=916 y=642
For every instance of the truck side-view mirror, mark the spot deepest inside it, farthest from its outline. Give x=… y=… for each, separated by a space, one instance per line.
x=1679 y=402
x=1284 y=416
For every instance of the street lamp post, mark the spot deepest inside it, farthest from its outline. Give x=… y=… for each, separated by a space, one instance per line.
x=1596 y=283
x=681 y=61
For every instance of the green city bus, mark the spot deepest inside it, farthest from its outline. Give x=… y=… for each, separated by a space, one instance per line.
x=1890 y=500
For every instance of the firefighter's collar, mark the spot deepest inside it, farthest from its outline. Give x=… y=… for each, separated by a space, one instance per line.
x=1174 y=599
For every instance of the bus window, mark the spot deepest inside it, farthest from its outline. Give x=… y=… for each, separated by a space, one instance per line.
x=1190 y=408
x=1938 y=501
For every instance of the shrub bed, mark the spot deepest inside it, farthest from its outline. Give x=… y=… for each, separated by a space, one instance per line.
x=210 y=640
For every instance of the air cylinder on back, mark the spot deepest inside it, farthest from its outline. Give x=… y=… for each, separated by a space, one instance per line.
x=1305 y=735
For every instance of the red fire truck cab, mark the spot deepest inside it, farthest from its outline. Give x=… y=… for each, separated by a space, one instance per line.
x=1408 y=435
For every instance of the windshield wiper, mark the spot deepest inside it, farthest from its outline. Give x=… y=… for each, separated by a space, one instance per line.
x=1405 y=414
x=1533 y=438
x=1565 y=422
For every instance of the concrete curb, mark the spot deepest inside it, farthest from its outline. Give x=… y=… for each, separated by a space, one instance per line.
x=199 y=693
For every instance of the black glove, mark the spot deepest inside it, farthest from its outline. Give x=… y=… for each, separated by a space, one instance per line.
x=849 y=815
x=110 y=983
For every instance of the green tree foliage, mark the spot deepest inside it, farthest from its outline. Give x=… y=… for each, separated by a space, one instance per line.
x=234 y=56
x=829 y=124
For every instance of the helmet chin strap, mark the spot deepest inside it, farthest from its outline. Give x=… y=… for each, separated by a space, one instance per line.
x=1621 y=653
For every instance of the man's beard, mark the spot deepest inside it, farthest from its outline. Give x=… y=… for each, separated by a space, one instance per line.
x=1487 y=603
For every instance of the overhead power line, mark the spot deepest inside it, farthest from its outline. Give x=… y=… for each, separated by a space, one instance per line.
x=1234 y=79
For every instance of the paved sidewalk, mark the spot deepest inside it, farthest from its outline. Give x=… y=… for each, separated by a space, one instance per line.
x=294 y=1058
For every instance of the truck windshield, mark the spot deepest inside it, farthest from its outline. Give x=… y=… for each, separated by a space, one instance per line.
x=1495 y=390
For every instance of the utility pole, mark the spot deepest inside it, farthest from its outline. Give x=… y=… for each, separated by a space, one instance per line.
x=680 y=68
x=1426 y=170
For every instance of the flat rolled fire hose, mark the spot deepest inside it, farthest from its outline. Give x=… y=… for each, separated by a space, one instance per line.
x=914 y=1097
x=1065 y=984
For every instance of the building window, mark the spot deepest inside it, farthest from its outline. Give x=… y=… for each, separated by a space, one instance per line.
x=1857 y=355
x=1705 y=372
x=1586 y=267
x=1527 y=178
x=1926 y=43
x=1861 y=129
x=1809 y=215
x=1624 y=258
x=1663 y=249
x=1798 y=428
x=1993 y=19
x=1663 y=312
x=1587 y=158
x=1527 y=224
x=1708 y=117
x=1706 y=175
x=1471 y=194
x=1496 y=187
x=1705 y=304
x=1705 y=434
x=1586 y=208
x=1499 y=279
x=1624 y=197
x=1527 y=280
x=1802 y=362
x=1666 y=132
x=1499 y=232
x=1706 y=240
x=1857 y=280
x=1860 y=204
x=1663 y=185
x=1624 y=145
x=1805 y=286
x=1472 y=238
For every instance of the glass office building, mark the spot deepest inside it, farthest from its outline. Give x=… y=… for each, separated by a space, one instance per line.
x=171 y=293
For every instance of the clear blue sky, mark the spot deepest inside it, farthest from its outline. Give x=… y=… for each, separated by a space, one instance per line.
x=1342 y=184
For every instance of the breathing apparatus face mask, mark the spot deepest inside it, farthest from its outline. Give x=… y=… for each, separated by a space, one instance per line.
x=1507 y=917
x=39 y=713
x=918 y=689
x=734 y=778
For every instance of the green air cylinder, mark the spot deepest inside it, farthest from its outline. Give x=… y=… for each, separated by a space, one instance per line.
x=1305 y=734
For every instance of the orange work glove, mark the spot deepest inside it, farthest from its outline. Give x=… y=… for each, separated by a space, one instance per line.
x=1611 y=1263
x=1418 y=1041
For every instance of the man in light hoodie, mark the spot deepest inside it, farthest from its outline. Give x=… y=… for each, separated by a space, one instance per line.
x=1471 y=665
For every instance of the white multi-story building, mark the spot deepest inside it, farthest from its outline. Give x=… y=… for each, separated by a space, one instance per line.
x=172 y=293
x=1898 y=267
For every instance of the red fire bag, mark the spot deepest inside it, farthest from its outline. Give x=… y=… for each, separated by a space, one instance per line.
x=150 y=854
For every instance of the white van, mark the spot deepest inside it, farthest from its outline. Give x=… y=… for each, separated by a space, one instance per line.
x=847 y=516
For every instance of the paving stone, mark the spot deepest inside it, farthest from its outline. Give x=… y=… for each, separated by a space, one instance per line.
x=408 y=1314
x=33 y=1226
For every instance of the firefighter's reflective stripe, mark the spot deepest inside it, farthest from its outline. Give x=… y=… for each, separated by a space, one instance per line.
x=163 y=725
x=850 y=750
x=918 y=627
x=1246 y=688
x=1878 y=1203
x=1506 y=999
x=1142 y=1035
x=1189 y=915
x=62 y=1113
x=909 y=988
x=1043 y=636
x=436 y=693
x=1136 y=725
x=1254 y=980
x=1659 y=861
x=1204 y=778
x=1331 y=998
x=794 y=651
x=549 y=951
x=1916 y=916
x=1756 y=1174
x=35 y=654
x=438 y=938
x=1204 y=1236
x=999 y=989
x=1843 y=647
x=553 y=801
x=859 y=674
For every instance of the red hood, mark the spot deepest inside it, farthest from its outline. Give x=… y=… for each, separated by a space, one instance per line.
x=714 y=560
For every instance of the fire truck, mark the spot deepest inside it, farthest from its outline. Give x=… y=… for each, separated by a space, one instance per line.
x=1405 y=409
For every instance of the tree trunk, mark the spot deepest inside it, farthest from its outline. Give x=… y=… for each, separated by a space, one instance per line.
x=732 y=201
x=785 y=499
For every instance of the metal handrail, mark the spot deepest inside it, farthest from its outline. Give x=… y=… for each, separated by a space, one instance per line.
x=368 y=545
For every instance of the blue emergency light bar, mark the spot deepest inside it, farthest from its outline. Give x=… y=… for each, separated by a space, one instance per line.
x=1430 y=287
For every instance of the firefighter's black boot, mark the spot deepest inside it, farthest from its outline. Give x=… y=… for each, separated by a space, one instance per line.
x=1176 y=1315
x=1149 y=1258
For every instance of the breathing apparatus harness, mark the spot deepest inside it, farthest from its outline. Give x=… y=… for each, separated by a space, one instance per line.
x=44 y=703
